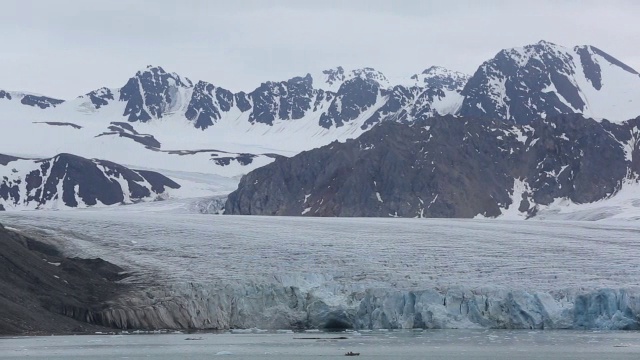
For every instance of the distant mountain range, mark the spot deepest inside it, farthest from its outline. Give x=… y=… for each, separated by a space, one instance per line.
x=161 y=120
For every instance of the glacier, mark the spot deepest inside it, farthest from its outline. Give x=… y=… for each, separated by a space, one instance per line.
x=194 y=271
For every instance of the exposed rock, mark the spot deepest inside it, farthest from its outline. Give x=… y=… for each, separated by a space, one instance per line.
x=43 y=292
x=57 y=123
x=443 y=167
x=127 y=131
x=207 y=104
x=70 y=181
x=151 y=93
x=545 y=79
x=100 y=97
x=42 y=102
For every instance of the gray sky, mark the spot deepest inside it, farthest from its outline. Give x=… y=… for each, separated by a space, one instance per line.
x=65 y=48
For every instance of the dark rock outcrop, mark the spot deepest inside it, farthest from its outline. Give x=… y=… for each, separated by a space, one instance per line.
x=151 y=93
x=42 y=102
x=126 y=130
x=72 y=181
x=100 y=97
x=44 y=292
x=354 y=97
x=207 y=104
x=5 y=95
x=58 y=123
x=287 y=100
x=444 y=167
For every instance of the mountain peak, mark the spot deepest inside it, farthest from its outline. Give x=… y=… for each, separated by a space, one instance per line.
x=441 y=78
x=332 y=79
x=153 y=92
x=549 y=80
x=157 y=72
x=546 y=43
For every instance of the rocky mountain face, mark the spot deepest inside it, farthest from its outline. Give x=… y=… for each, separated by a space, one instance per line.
x=447 y=167
x=159 y=119
x=71 y=181
x=545 y=80
x=441 y=78
x=44 y=292
x=333 y=98
x=518 y=85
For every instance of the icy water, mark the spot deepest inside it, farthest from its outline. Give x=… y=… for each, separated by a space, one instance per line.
x=437 y=344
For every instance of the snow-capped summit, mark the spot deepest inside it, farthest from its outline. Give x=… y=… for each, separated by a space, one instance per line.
x=332 y=79
x=546 y=79
x=153 y=92
x=442 y=78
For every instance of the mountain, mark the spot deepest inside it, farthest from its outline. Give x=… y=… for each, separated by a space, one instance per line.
x=545 y=79
x=448 y=167
x=162 y=120
x=441 y=78
x=332 y=79
x=70 y=181
x=158 y=114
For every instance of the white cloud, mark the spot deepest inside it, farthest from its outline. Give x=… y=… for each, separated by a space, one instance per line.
x=66 y=48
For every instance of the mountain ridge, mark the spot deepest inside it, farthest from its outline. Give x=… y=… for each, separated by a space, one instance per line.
x=162 y=120
x=448 y=167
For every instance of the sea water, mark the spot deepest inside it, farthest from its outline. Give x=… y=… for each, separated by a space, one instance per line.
x=405 y=344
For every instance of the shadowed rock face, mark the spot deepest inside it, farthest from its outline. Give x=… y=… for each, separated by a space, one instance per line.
x=72 y=181
x=444 y=167
x=41 y=291
x=150 y=93
x=207 y=104
x=353 y=98
x=287 y=100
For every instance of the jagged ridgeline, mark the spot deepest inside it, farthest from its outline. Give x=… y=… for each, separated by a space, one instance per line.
x=519 y=85
x=162 y=120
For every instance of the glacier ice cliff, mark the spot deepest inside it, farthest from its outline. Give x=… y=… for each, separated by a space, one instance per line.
x=279 y=305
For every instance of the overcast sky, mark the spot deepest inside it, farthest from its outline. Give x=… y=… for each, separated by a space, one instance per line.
x=65 y=48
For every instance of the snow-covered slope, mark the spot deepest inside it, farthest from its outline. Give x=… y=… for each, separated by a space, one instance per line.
x=29 y=99
x=332 y=79
x=157 y=115
x=69 y=181
x=545 y=79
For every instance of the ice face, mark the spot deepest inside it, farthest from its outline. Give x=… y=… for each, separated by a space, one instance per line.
x=203 y=271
